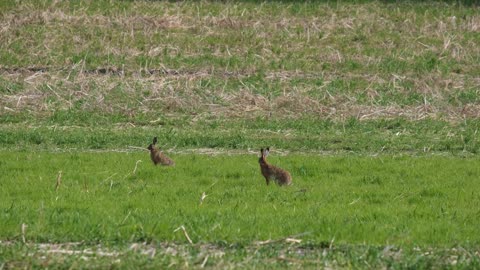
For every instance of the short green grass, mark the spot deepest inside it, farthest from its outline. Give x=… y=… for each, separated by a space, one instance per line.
x=399 y=201
x=298 y=135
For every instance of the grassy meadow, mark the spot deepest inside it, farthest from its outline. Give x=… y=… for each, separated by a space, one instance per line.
x=336 y=202
x=373 y=107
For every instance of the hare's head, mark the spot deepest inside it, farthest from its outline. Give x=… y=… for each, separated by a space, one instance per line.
x=152 y=145
x=264 y=154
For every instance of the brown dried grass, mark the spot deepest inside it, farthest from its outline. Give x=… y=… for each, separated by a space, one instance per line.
x=175 y=93
x=335 y=35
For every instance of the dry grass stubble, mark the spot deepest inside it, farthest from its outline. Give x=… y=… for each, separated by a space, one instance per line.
x=362 y=54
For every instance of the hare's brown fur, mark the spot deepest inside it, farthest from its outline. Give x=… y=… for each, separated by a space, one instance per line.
x=270 y=172
x=157 y=156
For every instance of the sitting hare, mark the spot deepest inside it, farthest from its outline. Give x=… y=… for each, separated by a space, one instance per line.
x=270 y=172
x=158 y=157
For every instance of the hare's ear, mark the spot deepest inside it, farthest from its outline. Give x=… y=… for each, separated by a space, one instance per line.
x=154 y=140
x=267 y=151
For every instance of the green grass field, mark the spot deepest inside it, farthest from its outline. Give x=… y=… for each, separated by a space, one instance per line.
x=373 y=107
x=401 y=202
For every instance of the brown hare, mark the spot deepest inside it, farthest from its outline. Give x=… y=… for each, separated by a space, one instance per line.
x=157 y=156
x=270 y=172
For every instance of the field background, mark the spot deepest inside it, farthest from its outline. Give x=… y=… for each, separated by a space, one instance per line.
x=373 y=107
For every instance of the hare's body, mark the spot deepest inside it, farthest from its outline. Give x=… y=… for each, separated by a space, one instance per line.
x=273 y=173
x=157 y=156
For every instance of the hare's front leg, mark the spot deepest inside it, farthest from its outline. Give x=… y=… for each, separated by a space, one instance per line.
x=268 y=180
